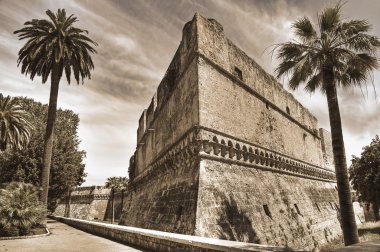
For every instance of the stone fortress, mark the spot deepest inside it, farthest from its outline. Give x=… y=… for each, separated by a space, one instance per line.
x=224 y=151
x=89 y=203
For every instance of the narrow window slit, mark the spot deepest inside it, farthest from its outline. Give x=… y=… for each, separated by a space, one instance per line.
x=267 y=212
x=316 y=204
x=297 y=209
x=287 y=110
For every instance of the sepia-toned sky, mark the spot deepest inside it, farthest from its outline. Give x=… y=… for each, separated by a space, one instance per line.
x=137 y=40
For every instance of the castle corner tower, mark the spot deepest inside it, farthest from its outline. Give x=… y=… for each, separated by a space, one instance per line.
x=224 y=151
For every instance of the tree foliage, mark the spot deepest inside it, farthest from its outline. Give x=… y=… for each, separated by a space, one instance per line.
x=67 y=162
x=365 y=174
x=117 y=183
x=15 y=126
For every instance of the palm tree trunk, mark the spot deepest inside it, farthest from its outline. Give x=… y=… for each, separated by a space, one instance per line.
x=69 y=205
x=375 y=208
x=113 y=206
x=122 y=203
x=66 y=204
x=348 y=224
x=49 y=135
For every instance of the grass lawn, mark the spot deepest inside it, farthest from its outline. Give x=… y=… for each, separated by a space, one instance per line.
x=367 y=231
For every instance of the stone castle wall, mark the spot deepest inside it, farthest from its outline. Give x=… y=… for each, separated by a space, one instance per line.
x=89 y=203
x=224 y=151
x=326 y=144
x=251 y=105
x=162 y=124
x=165 y=200
x=265 y=207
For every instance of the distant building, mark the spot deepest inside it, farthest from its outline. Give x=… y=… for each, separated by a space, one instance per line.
x=89 y=203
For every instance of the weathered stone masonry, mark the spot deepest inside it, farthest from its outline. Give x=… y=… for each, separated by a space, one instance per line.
x=90 y=203
x=224 y=151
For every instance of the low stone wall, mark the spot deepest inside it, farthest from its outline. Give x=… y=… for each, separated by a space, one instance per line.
x=162 y=241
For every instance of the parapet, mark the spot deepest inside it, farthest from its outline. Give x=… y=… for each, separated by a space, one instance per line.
x=204 y=57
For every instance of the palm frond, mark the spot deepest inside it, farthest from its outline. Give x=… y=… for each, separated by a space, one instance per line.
x=304 y=29
x=15 y=126
x=330 y=18
x=342 y=44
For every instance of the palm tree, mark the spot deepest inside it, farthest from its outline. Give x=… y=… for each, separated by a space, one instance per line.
x=15 y=128
x=116 y=184
x=19 y=207
x=340 y=54
x=53 y=46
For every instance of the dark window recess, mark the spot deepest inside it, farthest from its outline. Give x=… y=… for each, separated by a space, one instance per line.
x=332 y=207
x=337 y=207
x=298 y=210
x=316 y=204
x=267 y=212
x=179 y=211
x=304 y=136
x=238 y=73
x=288 y=110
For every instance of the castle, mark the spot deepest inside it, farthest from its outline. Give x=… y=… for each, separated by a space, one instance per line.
x=224 y=151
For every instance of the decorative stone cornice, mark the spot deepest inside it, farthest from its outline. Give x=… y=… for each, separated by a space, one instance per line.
x=206 y=143
x=221 y=147
x=90 y=197
x=101 y=197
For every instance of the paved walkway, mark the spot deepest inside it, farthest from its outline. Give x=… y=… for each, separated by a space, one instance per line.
x=64 y=238
x=369 y=246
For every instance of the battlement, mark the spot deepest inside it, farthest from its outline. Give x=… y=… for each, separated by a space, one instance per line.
x=196 y=90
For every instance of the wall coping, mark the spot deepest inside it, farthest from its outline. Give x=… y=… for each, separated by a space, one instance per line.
x=196 y=241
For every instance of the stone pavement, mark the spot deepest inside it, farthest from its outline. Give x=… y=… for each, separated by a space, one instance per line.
x=369 y=246
x=64 y=238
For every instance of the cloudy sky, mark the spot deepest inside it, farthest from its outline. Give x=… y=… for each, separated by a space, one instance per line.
x=137 y=40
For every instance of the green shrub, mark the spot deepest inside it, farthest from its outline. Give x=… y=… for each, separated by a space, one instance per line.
x=19 y=208
x=9 y=231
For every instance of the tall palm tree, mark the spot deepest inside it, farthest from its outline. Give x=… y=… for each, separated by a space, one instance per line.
x=116 y=184
x=339 y=54
x=15 y=128
x=54 y=46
